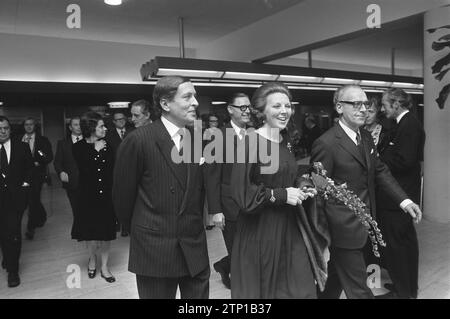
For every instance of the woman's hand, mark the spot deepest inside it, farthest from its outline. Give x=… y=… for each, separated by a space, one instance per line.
x=295 y=196
x=99 y=145
x=309 y=191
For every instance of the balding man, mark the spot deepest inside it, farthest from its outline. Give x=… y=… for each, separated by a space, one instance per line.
x=349 y=155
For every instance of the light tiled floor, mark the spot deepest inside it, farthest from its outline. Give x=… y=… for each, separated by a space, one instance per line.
x=45 y=261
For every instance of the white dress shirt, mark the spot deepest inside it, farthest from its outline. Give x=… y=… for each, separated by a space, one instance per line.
x=237 y=129
x=7 y=147
x=173 y=131
x=352 y=134
x=120 y=130
x=74 y=138
x=400 y=116
x=32 y=139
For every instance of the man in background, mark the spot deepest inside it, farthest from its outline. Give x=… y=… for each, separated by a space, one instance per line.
x=140 y=113
x=224 y=209
x=41 y=151
x=114 y=138
x=403 y=155
x=65 y=165
x=16 y=167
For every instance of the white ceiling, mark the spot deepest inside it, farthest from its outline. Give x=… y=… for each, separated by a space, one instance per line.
x=153 y=22
x=374 y=51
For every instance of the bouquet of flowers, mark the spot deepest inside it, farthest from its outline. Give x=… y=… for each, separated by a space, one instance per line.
x=327 y=188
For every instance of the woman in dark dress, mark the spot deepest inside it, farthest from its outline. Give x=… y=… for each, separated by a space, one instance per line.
x=269 y=258
x=95 y=222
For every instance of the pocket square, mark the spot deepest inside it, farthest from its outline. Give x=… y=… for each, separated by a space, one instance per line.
x=371 y=151
x=202 y=161
x=391 y=143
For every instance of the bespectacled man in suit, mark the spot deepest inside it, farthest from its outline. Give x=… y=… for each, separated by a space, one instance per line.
x=161 y=201
x=349 y=155
x=114 y=138
x=223 y=208
x=16 y=166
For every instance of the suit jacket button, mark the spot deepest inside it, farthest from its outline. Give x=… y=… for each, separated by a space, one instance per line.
x=172 y=190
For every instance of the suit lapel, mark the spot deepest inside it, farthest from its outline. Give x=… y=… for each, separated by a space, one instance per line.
x=165 y=145
x=347 y=144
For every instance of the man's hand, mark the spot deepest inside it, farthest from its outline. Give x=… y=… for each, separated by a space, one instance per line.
x=219 y=220
x=64 y=177
x=415 y=212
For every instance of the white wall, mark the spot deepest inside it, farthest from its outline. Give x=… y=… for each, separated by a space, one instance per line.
x=36 y=58
x=296 y=26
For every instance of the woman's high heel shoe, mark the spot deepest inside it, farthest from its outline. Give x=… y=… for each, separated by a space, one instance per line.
x=108 y=279
x=91 y=272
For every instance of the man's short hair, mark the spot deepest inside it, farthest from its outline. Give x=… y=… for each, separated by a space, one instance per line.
x=144 y=105
x=4 y=118
x=400 y=96
x=235 y=96
x=74 y=118
x=28 y=119
x=340 y=91
x=166 y=88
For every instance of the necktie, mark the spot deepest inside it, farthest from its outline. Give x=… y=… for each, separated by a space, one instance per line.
x=3 y=159
x=241 y=133
x=360 y=145
x=77 y=139
x=122 y=133
x=179 y=139
x=28 y=140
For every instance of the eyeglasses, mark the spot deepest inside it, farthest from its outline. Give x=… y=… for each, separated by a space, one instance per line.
x=243 y=108
x=357 y=105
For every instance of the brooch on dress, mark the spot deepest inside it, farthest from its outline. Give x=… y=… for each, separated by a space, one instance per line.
x=289 y=147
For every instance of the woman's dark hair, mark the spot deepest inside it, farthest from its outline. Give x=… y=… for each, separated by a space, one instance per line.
x=166 y=88
x=375 y=102
x=88 y=123
x=259 y=100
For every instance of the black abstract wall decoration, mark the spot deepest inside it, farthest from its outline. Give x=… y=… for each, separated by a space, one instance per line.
x=442 y=66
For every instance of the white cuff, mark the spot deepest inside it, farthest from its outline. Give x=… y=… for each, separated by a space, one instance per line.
x=405 y=203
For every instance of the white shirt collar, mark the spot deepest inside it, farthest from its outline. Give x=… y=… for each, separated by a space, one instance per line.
x=74 y=138
x=352 y=134
x=32 y=136
x=120 y=130
x=237 y=129
x=400 y=116
x=170 y=127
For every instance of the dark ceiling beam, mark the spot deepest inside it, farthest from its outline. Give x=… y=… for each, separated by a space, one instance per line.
x=345 y=37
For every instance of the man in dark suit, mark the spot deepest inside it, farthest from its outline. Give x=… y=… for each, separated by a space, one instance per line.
x=348 y=154
x=114 y=138
x=403 y=155
x=41 y=151
x=65 y=165
x=162 y=201
x=223 y=207
x=15 y=178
